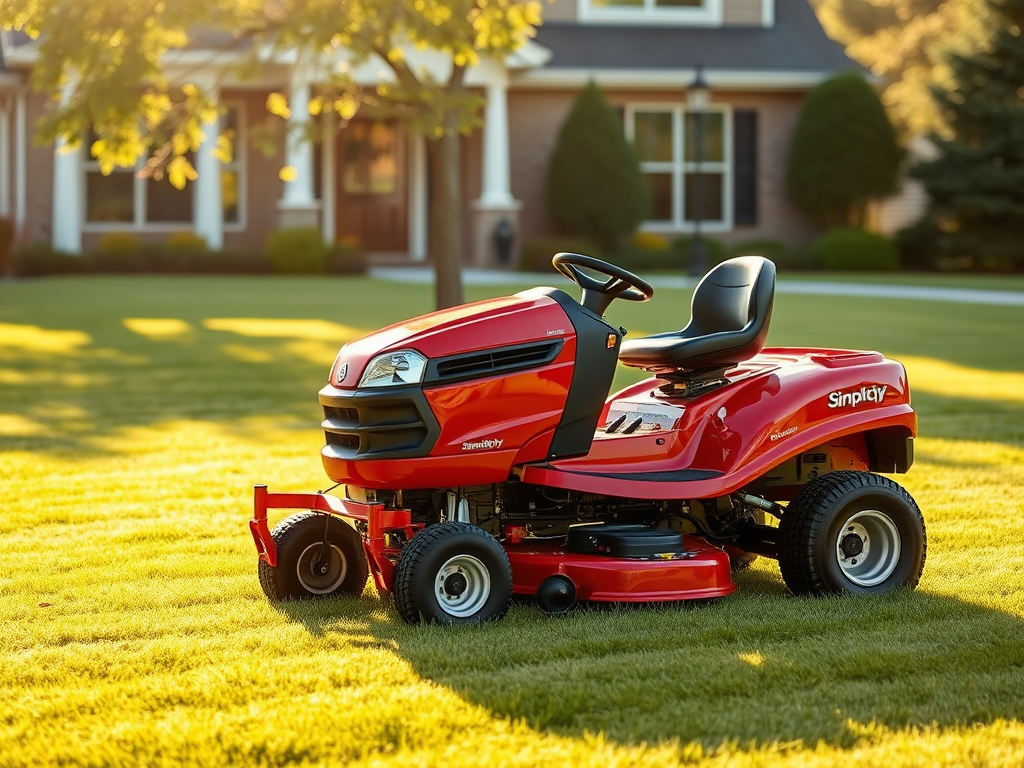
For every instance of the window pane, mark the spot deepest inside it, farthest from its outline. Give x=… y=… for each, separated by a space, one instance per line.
x=653 y=135
x=678 y=3
x=110 y=198
x=165 y=204
x=371 y=160
x=704 y=196
x=660 y=185
x=712 y=136
x=229 y=196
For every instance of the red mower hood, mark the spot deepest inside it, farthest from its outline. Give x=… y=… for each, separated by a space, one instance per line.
x=521 y=318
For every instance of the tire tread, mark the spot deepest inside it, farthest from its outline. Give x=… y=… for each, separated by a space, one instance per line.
x=806 y=515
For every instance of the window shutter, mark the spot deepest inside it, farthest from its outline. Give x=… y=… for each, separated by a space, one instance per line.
x=744 y=166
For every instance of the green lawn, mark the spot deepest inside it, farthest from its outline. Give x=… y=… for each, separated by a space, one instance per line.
x=137 y=413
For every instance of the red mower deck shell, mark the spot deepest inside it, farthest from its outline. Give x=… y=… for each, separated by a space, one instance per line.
x=600 y=578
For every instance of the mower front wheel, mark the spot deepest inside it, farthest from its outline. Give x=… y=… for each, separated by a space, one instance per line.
x=452 y=573
x=851 y=532
x=307 y=568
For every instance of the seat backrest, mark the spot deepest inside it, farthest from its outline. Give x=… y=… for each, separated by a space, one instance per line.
x=728 y=297
x=729 y=316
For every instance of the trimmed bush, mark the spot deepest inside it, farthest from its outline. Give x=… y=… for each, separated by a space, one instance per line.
x=347 y=258
x=595 y=188
x=119 y=242
x=651 y=241
x=535 y=255
x=185 y=242
x=297 y=250
x=38 y=259
x=851 y=249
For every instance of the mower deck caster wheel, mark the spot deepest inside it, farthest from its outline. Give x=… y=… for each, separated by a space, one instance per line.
x=851 y=532
x=556 y=595
x=452 y=573
x=306 y=568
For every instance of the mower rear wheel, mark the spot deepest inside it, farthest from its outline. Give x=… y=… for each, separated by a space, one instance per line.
x=306 y=568
x=452 y=573
x=852 y=532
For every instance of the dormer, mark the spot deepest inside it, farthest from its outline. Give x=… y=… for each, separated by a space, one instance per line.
x=682 y=13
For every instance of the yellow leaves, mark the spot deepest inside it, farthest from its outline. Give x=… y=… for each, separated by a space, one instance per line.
x=316 y=105
x=224 y=150
x=180 y=172
x=346 y=106
x=278 y=105
x=288 y=173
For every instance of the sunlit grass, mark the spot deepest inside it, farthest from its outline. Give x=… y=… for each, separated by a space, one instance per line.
x=136 y=414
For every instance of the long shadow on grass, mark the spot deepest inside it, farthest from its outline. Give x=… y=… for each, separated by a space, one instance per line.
x=758 y=668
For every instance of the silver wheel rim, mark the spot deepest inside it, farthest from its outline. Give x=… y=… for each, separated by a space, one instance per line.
x=321 y=583
x=462 y=586
x=868 y=548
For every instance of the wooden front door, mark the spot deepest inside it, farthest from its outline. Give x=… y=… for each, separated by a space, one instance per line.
x=373 y=195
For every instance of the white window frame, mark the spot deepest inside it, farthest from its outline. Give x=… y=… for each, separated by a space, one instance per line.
x=138 y=222
x=238 y=165
x=709 y=14
x=678 y=166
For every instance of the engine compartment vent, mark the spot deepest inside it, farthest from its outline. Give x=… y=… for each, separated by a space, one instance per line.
x=489 y=362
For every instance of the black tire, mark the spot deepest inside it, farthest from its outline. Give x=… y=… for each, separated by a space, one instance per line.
x=452 y=573
x=851 y=532
x=299 y=539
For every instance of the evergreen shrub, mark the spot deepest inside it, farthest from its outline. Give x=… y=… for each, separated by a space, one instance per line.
x=844 y=152
x=595 y=188
x=848 y=249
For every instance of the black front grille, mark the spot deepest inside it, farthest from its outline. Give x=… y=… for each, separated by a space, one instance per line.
x=378 y=424
x=499 y=360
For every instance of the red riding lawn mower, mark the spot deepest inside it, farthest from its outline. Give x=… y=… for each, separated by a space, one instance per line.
x=482 y=458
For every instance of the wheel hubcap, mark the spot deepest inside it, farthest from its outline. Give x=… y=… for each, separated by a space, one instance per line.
x=868 y=547
x=321 y=575
x=463 y=585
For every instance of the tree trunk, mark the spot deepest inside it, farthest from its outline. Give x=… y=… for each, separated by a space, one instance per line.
x=445 y=225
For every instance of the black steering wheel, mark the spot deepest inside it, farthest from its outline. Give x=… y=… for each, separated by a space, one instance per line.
x=598 y=294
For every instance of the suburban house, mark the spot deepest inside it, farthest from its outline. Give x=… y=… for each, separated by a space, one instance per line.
x=367 y=180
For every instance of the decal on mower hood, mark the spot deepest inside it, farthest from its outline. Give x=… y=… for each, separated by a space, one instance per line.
x=482 y=445
x=873 y=394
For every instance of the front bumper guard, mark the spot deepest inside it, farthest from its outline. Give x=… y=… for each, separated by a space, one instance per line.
x=377 y=533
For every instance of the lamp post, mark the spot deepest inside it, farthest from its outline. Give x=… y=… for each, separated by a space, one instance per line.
x=697 y=97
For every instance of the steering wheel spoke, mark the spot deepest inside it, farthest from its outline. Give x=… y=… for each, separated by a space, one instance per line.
x=598 y=294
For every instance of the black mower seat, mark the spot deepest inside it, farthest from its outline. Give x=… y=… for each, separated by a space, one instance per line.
x=728 y=324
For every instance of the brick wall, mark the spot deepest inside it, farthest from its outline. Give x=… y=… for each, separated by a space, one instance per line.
x=536 y=116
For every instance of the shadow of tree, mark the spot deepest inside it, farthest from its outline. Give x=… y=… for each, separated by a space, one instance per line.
x=756 y=669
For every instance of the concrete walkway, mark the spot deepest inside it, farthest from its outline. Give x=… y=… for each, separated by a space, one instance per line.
x=814 y=288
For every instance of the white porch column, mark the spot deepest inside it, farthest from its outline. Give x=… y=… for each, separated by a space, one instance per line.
x=298 y=205
x=20 y=153
x=496 y=207
x=66 y=233
x=208 y=213
x=5 y=156
x=496 y=189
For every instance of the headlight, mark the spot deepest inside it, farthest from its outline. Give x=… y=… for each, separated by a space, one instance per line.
x=394 y=368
